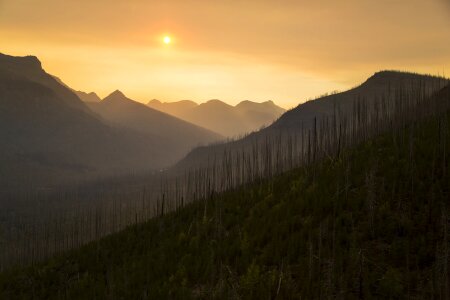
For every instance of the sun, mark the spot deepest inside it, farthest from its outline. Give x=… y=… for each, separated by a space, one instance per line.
x=167 y=40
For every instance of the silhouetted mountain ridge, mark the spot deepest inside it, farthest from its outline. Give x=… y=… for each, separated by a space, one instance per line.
x=385 y=84
x=30 y=68
x=51 y=137
x=371 y=223
x=381 y=84
x=177 y=136
x=85 y=97
x=117 y=95
x=228 y=120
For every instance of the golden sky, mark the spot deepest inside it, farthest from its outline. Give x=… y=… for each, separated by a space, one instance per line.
x=284 y=50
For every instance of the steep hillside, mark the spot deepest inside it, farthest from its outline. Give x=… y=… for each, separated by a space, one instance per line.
x=29 y=69
x=382 y=86
x=369 y=224
x=230 y=121
x=50 y=137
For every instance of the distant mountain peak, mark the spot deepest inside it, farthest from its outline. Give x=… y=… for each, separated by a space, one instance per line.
x=154 y=101
x=116 y=95
x=249 y=102
x=221 y=117
x=214 y=101
x=188 y=102
x=245 y=102
x=269 y=104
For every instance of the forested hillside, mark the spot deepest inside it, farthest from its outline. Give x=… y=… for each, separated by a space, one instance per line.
x=379 y=91
x=74 y=216
x=370 y=222
x=299 y=150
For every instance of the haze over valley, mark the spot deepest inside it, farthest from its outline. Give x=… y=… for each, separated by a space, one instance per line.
x=229 y=121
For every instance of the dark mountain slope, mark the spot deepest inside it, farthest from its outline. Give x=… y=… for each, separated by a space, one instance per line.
x=370 y=224
x=50 y=137
x=46 y=142
x=29 y=68
x=386 y=84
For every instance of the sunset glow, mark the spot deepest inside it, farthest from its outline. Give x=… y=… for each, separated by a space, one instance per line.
x=285 y=51
x=208 y=149
x=167 y=40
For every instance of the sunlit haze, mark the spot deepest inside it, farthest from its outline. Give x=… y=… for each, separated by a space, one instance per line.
x=286 y=51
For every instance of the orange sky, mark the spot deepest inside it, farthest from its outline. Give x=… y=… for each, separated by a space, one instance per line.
x=284 y=50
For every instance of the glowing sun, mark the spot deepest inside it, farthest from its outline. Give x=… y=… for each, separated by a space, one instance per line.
x=167 y=40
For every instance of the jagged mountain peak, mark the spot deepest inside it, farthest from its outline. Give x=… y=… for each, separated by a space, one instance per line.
x=117 y=95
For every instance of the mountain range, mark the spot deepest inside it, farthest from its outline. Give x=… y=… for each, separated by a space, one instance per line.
x=176 y=136
x=382 y=85
x=228 y=120
x=370 y=222
x=85 y=97
x=50 y=137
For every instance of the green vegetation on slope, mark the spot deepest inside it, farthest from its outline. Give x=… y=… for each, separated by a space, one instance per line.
x=372 y=223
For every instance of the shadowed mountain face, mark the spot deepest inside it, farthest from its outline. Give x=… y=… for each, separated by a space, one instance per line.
x=50 y=137
x=383 y=85
x=220 y=117
x=29 y=69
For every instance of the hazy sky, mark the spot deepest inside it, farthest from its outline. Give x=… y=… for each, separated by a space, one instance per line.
x=283 y=50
